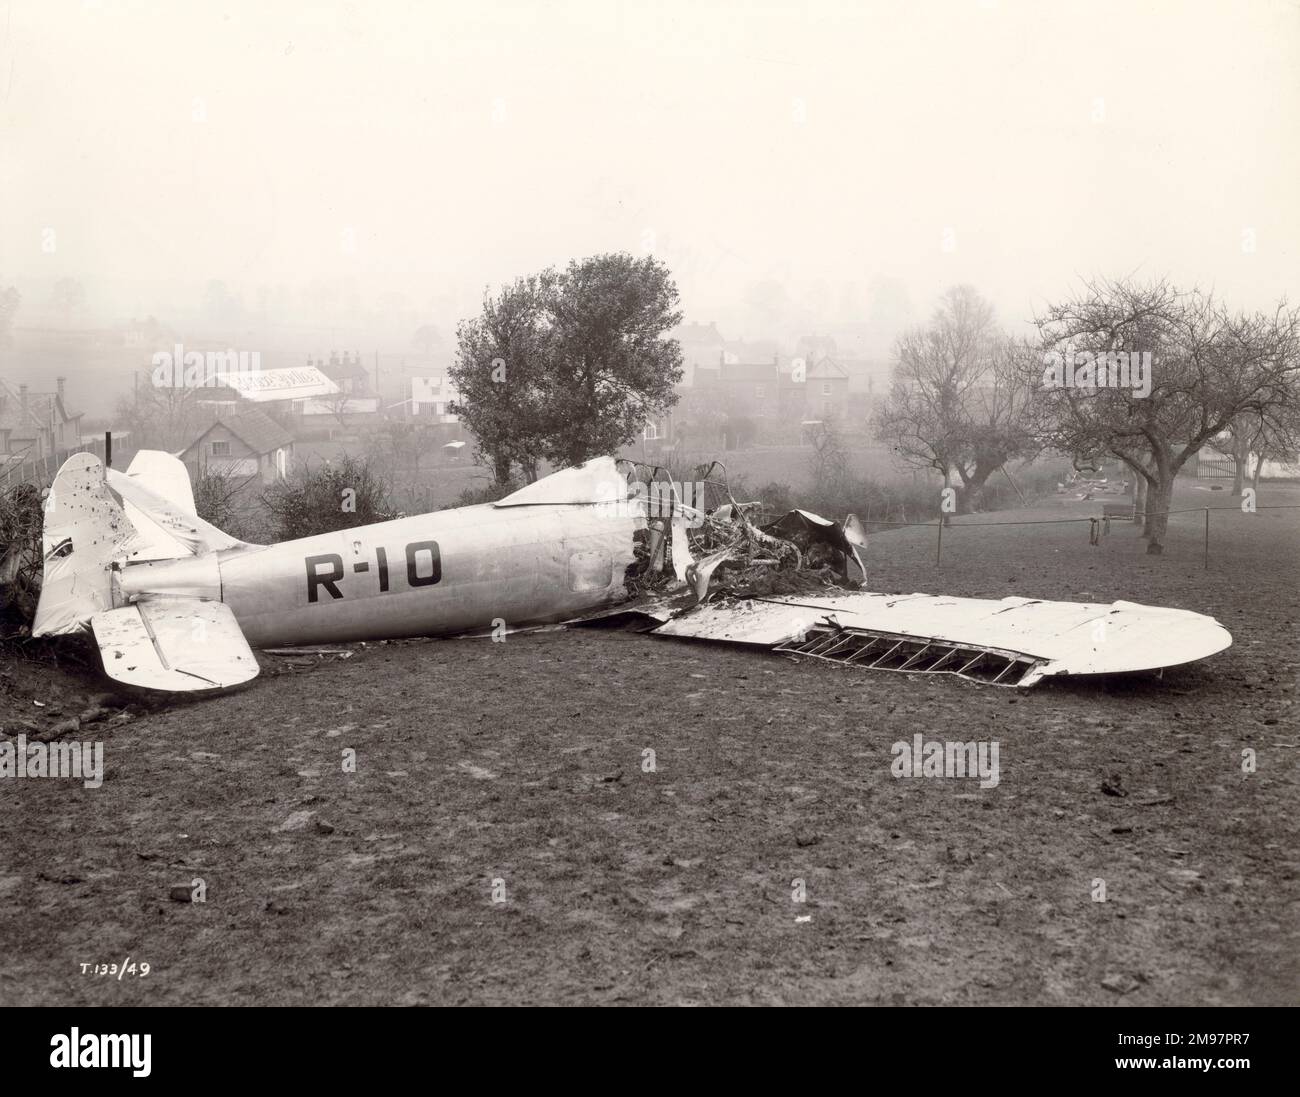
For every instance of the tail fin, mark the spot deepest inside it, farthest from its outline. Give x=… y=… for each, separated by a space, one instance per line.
x=85 y=531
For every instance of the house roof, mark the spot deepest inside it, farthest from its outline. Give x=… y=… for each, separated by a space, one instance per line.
x=754 y=351
x=827 y=369
x=257 y=430
x=757 y=373
x=813 y=347
x=340 y=371
x=700 y=333
x=40 y=406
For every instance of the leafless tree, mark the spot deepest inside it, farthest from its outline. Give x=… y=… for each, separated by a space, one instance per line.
x=160 y=417
x=1209 y=367
x=958 y=403
x=1270 y=434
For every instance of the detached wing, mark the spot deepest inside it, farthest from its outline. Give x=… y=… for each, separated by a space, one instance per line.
x=1012 y=641
x=175 y=644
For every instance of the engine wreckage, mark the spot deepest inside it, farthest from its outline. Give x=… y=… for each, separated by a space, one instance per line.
x=176 y=604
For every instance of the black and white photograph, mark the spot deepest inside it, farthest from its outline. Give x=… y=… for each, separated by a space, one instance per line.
x=582 y=503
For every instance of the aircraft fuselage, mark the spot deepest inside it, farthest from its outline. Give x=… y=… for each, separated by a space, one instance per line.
x=449 y=572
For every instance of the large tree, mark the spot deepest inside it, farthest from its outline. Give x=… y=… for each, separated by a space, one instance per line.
x=1208 y=367
x=502 y=358
x=570 y=364
x=958 y=402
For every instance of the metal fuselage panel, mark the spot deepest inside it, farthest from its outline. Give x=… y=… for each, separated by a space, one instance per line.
x=449 y=572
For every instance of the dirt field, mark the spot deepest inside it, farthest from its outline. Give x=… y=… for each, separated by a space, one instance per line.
x=522 y=762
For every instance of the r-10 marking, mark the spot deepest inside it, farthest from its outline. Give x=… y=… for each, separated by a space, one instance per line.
x=423 y=569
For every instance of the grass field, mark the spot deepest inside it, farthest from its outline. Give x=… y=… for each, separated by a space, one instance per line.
x=522 y=763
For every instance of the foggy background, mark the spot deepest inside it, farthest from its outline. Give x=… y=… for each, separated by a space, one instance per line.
x=294 y=178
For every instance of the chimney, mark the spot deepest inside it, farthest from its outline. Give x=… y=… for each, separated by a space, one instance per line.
x=60 y=381
x=22 y=397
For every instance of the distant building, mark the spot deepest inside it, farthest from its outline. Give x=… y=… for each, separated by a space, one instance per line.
x=245 y=443
x=870 y=375
x=826 y=391
x=34 y=425
x=813 y=348
x=851 y=387
x=743 y=350
x=749 y=390
x=702 y=347
x=658 y=435
x=349 y=374
x=431 y=398
x=316 y=400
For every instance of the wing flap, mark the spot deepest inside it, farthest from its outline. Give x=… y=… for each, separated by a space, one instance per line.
x=175 y=644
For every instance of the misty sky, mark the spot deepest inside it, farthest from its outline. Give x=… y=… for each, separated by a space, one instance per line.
x=782 y=157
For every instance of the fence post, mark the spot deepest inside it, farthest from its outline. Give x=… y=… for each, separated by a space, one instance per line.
x=938 y=552
x=1207 y=538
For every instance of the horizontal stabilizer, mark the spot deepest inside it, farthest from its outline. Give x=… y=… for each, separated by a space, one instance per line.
x=167 y=521
x=174 y=644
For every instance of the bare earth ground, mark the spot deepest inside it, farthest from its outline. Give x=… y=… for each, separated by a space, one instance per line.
x=522 y=761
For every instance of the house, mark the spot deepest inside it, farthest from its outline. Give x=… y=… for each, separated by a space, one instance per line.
x=748 y=390
x=349 y=374
x=826 y=390
x=312 y=401
x=659 y=434
x=852 y=387
x=246 y=443
x=431 y=398
x=34 y=425
x=702 y=347
x=870 y=375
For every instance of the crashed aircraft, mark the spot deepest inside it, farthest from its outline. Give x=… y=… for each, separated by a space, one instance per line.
x=175 y=604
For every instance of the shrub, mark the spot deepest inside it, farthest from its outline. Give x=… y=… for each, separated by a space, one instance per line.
x=336 y=495
x=20 y=557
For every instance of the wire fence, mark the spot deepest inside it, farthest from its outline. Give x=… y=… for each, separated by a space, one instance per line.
x=1099 y=524
x=1062 y=521
x=40 y=471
